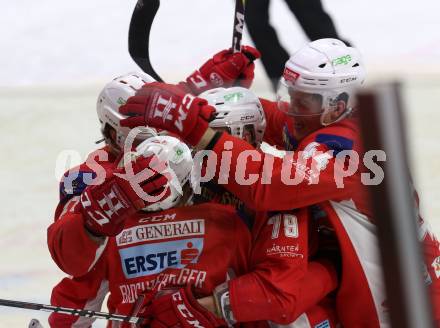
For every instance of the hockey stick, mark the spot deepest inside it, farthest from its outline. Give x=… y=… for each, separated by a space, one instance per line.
x=76 y=312
x=140 y=28
x=139 y=35
x=238 y=25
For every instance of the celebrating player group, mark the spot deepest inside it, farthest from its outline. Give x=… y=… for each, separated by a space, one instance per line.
x=183 y=221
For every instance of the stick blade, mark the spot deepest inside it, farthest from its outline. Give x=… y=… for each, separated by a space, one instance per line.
x=139 y=35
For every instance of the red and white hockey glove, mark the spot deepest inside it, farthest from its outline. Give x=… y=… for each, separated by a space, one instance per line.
x=108 y=205
x=225 y=69
x=166 y=107
x=180 y=309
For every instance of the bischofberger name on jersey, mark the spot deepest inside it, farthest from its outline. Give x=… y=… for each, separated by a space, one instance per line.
x=159 y=231
x=181 y=277
x=149 y=259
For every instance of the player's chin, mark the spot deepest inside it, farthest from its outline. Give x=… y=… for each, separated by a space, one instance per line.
x=299 y=126
x=305 y=126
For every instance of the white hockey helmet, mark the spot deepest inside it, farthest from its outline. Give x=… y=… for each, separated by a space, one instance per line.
x=325 y=68
x=114 y=95
x=179 y=161
x=239 y=110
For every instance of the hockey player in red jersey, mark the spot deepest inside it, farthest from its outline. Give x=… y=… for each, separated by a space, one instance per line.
x=166 y=245
x=239 y=112
x=78 y=291
x=314 y=116
x=83 y=227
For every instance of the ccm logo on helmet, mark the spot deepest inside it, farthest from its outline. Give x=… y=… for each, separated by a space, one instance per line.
x=247 y=117
x=189 y=317
x=348 y=79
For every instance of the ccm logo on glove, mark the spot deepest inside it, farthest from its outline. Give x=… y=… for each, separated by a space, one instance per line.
x=164 y=106
x=184 y=311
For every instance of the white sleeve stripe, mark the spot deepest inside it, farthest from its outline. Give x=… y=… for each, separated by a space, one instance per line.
x=93 y=304
x=363 y=236
x=98 y=254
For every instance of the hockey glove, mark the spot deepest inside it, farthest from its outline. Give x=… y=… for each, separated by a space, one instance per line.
x=225 y=69
x=166 y=107
x=180 y=309
x=108 y=205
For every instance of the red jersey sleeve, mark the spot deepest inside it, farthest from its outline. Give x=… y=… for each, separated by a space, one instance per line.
x=264 y=182
x=431 y=256
x=281 y=285
x=70 y=247
x=66 y=237
x=93 y=170
x=86 y=292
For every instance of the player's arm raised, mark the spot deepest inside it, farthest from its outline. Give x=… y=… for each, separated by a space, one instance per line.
x=292 y=182
x=295 y=181
x=224 y=69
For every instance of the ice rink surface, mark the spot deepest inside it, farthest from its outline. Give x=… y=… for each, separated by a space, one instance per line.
x=67 y=51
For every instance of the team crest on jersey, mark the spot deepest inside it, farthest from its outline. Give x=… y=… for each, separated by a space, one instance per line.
x=149 y=259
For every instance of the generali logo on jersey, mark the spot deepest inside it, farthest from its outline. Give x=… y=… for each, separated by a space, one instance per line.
x=159 y=231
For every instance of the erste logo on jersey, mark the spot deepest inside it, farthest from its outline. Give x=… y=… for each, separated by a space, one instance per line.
x=149 y=259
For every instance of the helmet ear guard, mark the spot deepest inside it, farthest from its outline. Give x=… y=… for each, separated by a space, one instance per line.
x=325 y=67
x=331 y=115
